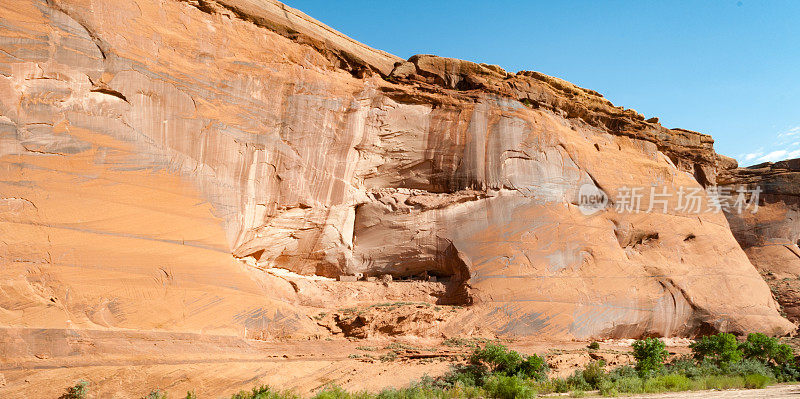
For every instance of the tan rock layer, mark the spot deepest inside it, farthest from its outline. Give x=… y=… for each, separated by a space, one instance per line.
x=157 y=156
x=771 y=236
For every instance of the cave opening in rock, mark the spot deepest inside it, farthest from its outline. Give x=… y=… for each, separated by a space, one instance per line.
x=700 y=176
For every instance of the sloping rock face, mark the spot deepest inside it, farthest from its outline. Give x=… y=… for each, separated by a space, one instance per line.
x=771 y=236
x=157 y=156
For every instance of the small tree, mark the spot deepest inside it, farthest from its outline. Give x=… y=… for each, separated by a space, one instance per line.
x=650 y=355
x=78 y=391
x=594 y=373
x=496 y=358
x=534 y=367
x=766 y=349
x=722 y=349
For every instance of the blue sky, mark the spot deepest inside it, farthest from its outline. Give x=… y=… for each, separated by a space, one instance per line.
x=727 y=68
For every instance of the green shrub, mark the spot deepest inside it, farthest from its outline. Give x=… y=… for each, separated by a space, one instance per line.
x=534 y=367
x=607 y=388
x=553 y=385
x=78 y=391
x=594 y=345
x=622 y=372
x=409 y=393
x=264 y=392
x=692 y=369
x=756 y=381
x=467 y=375
x=496 y=358
x=544 y=387
x=561 y=385
x=461 y=391
x=750 y=366
x=653 y=385
x=721 y=382
x=650 y=354
x=508 y=387
x=578 y=393
x=722 y=349
x=577 y=382
x=190 y=395
x=594 y=373
x=787 y=372
x=766 y=349
x=630 y=385
x=675 y=382
x=156 y=394
x=332 y=392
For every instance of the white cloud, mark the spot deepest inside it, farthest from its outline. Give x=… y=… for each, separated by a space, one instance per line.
x=751 y=156
x=795 y=131
x=774 y=156
x=784 y=146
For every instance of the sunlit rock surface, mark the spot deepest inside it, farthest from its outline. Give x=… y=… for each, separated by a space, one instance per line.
x=770 y=237
x=156 y=157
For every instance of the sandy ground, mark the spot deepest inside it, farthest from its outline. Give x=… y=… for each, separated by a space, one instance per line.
x=776 y=391
x=129 y=364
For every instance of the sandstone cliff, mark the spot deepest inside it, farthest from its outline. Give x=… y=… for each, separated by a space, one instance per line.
x=207 y=166
x=771 y=237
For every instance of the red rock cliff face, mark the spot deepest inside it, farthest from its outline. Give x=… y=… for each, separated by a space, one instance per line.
x=771 y=236
x=156 y=157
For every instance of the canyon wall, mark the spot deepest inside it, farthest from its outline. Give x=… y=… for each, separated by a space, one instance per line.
x=209 y=166
x=770 y=237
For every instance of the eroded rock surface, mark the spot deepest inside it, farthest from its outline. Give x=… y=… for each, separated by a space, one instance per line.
x=157 y=156
x=771 y=236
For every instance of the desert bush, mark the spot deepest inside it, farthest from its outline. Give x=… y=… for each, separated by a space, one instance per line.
x=264 y=392
x=470 y=375
x=607 y=388
x=594 y=345
x=622 y=372
x=787 y=372
x=497 y=359
x=332 y=392
x=578 y=393
x=561 y=385
x=650 y=354
x=594 y=373
x=653 y=385
x=720 y=382
x=675 y=382
x=577 y=382
x=534 y=367
x=750 y=366
x=508 y=387
x=722 y=349
x=693 y=369
x=766 y=349
x=630 y=385
x=156 y=394
x=756 y=381
x=544 y=387
x=461 y=391
x=78 y=391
